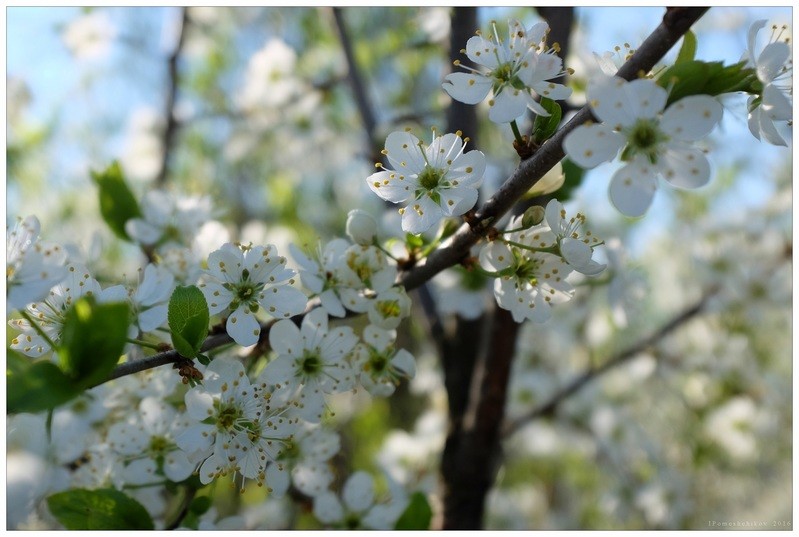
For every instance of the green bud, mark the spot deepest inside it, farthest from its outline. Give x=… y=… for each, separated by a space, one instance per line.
x=533 y=216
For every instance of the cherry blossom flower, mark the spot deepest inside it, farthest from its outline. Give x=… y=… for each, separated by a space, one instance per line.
x=235 y=428
x=311 y=362
x=515 y=71
x=150 y=301
x=529 y=281
x=655 y=142
x=245 y=279
x=576 y=248
x=319 y=273
x=381 y=366
x=357 y=507
x=169 y=220
x=436 y=181
x=389 y=308
x=147 y=441
x=32 y=266
x=50 y=314
x=774 y=70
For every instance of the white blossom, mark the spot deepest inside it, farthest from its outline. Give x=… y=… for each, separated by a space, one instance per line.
x=245 y=280
x=514 y=71
x=357 y=507
x=655 y=142
x=32 y=266
x=380 y=364
x=311 y=362
x=435 y=181
x=774 y=69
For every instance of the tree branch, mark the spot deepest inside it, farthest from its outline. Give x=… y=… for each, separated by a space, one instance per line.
x=172 y=91
x=548 y=408
x=362 y=100
x=674 y=25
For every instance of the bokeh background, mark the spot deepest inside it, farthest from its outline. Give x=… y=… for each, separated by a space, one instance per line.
x=693 y=428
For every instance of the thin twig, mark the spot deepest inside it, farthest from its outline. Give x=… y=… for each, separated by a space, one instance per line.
x=362 y=100
x=548 y=408
x=172 y=90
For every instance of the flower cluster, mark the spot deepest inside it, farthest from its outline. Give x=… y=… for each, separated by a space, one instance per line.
x=532 y=262
x=32 y=266
x=514 y=72
x=774 y=70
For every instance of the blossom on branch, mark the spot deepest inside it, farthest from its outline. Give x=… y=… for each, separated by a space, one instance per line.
x=436 y=181
x=243 y=280
x=654 y=142
x=515 y=71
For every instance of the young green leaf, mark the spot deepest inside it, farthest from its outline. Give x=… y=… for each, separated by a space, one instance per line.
x=117 y=203
x=188 y=320
x=417 y=515
x=688 y=48
x=36 y=386
x=93 y=339
x=545 y=126
x=102 y=509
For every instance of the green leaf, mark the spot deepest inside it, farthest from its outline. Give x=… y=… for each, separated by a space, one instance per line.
x=103 y=509
x=688 y=49
x=117 y=203
x=417 y=515
x=188 y=320
x=36 y=386
x=93 y=339
x=200 y=505
x=707 y=78
x=545 y=126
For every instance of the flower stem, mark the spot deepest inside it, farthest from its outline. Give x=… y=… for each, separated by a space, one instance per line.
x=39 y=329
x=548 y=250
x=516 y=134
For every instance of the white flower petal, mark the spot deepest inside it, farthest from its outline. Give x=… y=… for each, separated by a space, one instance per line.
x=685 y=167
x=495 y=256
x=421 y=215
x=608 y=100
x=691 y=118
x=283 y=301
x=482 y=51
x=277 y=478
x=645 y=99
x=243 y=327
x=285 y=338
x=591 y=145
x=468 y=169
x=404 y=153
x=359 y=493
x=632 y=188
x=508 y=105
x=467 y=88
x=771 y=60
x=327 y=508
x=456 y=201
x=388 y=185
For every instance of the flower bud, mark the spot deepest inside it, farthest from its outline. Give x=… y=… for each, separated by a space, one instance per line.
x=550 y=182
x=533 y=216
x=361 y=227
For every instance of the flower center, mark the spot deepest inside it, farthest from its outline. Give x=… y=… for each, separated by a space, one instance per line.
x=158 y=445
x=377 y=362
x=526 y=270
x=430 y=178
x=389 y=308
x=311 y=364
x=227 y=417
x=644 y=137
